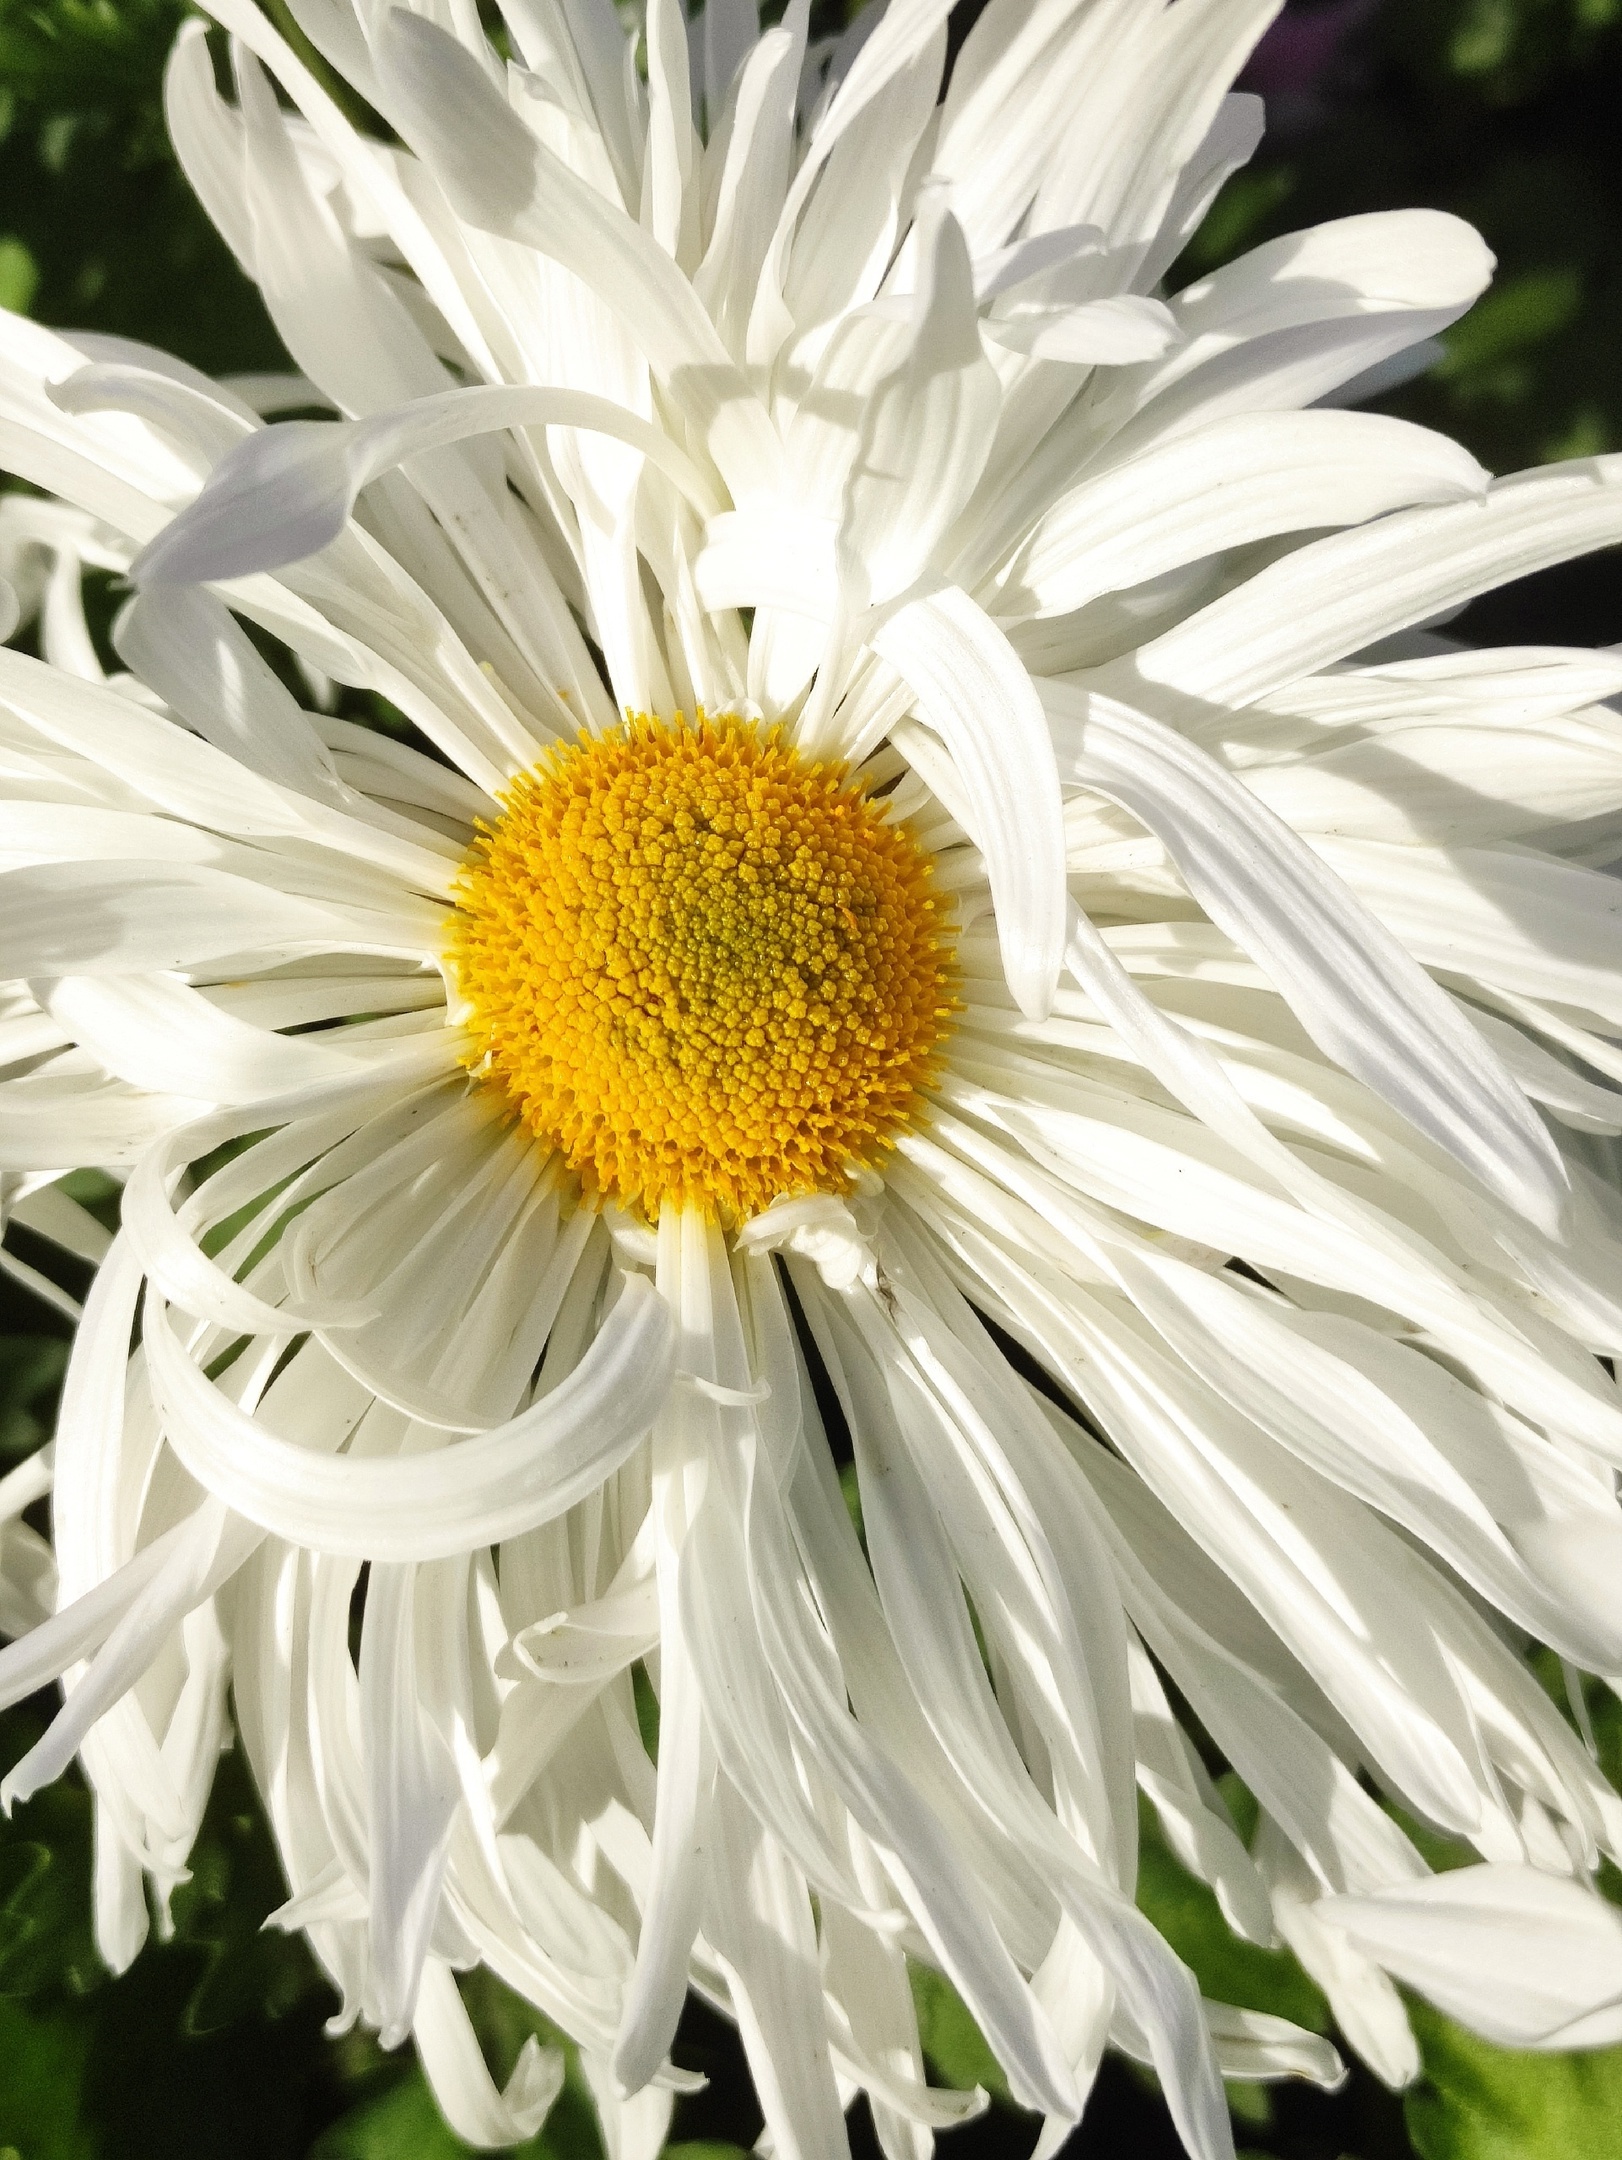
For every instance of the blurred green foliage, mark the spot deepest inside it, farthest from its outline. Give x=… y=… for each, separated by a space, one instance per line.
x=1482 y=2103
x=212 y=2046
x=98 y=229
x=203 y=2047
x=954 y=2046
x=31 y=1369
x=214 y=2043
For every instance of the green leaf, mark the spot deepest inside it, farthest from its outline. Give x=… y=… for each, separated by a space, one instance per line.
x=647 y=1709
x=46 y=1942
x=1484 y=39
x=1521 y=313
x=31 y=1369
x=211 y=2046
x=95 y=204
x=503 y=2022
x=97 y=1193
x=1236 y=219
x=1228 y=1970
x=403 y=2122
x=44 y=2051
x=704 y=2149
x=1249 y=2103
x=1479 y=2102
x=851 y=1491
x=400 y=2124
x=252 y=1971
x=19 y=275
x=954 y=2045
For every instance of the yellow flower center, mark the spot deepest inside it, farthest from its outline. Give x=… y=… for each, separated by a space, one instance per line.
x=701 y=968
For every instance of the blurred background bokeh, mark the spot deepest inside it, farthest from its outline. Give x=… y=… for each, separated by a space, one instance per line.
x=213 y=2047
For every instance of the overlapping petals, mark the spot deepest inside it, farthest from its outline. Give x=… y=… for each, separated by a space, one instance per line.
x=1231 y=1330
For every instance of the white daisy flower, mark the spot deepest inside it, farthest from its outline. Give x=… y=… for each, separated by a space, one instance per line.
x=934 y=911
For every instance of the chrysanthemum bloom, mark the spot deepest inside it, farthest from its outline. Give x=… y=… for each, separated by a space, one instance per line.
x=935 y=906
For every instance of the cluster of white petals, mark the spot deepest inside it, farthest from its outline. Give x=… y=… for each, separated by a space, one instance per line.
x=1231 y=1335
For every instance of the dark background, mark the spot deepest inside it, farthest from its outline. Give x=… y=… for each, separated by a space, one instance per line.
x=1508 y=112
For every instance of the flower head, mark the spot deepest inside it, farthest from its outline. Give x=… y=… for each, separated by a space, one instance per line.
x=931 y=905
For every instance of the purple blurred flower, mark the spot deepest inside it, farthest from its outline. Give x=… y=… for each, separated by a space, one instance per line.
x=1302 y=48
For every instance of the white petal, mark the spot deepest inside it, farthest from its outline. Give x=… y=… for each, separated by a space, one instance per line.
x=1513 y=918
x=142 y=918
x=1337 y=595
x=686 y=1770
x=463 y=2087
x=918 y=1581
x=844 y=242
x=411 y=1791
x=498 y=176
x=973 y=692
x=754 y=178
x=771 y=555
x=1094 y=333
x=1419 y=259
x=1172 y=1591
x=207 y=137
x=1194 y=1822
x=906 y=1829
x=1365 y=2003
x=1510 y=1952
x=205 y=1551
x=169 y=767
x=190 y=649
x=926 y=431
x=762 y=1928
x=424 y=1507
x=900 y=34
x=1250 y=2044
x=1229 y=144
x=1450 y=782
x=585 y=1644
x=158 y=1033
x=288 y=491
x=1355 y=989
x=1142 y=115
x=80 y=1628
x=1227 y=484
x=669 y=205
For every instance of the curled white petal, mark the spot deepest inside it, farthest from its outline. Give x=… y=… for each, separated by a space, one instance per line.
x=423 y=1507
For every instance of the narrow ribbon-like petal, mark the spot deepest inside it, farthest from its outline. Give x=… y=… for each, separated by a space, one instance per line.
x=427 y=1507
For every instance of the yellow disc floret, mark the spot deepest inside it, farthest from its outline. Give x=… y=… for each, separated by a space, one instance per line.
x=704 y=970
